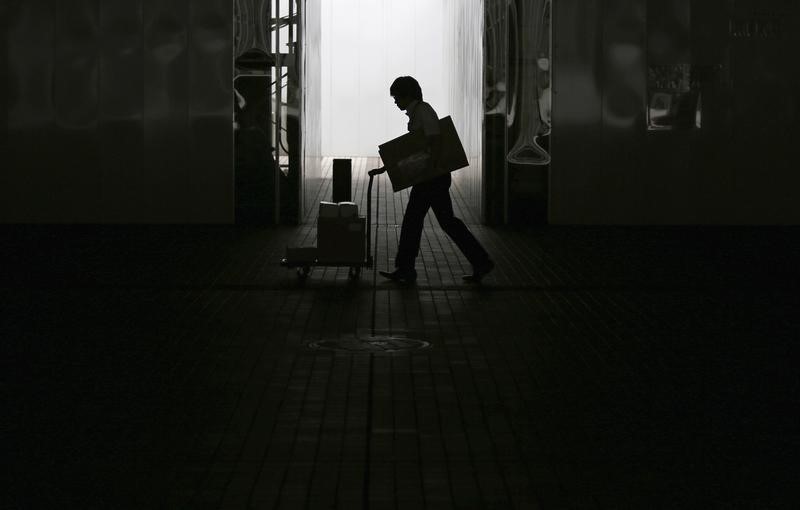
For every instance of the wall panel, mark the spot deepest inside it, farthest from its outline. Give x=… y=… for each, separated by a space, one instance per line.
x=28 y=154
x=311 y=120
x=731 y=164
x=495 y=104
x=166 y=107
x=75 y=101
x=117 y=111
x=210 y=138
x=463 y=43
x=576 y=148
x=121 y=95
x=622 y=77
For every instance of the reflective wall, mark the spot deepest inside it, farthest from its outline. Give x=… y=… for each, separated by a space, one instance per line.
x=516 y=110
x=675 y=112
x=311 y=83
x=268 y=103
x=116 y=111
x=495 y=104
x=463 y=43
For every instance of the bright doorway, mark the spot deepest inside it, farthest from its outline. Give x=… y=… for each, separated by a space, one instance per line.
x=363 y=46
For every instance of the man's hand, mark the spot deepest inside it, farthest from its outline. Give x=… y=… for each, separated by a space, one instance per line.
x=376 y=171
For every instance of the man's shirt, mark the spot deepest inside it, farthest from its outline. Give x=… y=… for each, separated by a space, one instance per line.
x=421 y=116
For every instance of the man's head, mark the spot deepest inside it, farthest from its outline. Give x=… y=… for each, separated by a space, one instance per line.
x=404 y=90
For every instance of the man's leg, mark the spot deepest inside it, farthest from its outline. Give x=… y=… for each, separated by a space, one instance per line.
x=442 y=206
x=411 y=231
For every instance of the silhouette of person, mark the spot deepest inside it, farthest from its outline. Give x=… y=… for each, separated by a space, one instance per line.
x=433 y=193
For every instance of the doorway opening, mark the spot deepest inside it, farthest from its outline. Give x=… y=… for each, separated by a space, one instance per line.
x=311 y=84
x=363 y=46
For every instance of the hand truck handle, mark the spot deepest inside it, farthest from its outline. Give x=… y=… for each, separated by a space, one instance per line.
x=369 y=219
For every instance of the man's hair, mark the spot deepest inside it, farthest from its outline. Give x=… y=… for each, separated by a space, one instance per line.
x=406 y=86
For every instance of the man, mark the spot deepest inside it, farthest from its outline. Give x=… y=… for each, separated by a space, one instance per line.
x=433 y=193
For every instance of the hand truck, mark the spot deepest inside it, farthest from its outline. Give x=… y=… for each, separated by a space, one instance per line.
x=304 y=266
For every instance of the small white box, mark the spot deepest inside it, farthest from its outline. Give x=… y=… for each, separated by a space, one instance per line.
x=348 y=209
x=328 y=210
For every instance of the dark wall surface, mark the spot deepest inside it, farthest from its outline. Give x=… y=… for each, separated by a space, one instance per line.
x=725 y=155
x=117 y=111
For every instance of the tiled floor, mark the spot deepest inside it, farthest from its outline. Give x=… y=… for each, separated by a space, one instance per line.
x=169 y=367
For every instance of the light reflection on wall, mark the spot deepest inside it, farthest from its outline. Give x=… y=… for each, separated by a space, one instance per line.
x=311 y=109
x=517 y=110
x=463 y=26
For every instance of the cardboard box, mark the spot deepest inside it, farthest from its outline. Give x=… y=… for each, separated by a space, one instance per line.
x=405 y=156
x=348 y=209
x=328 y=210
x=338 y=210
x=341 y=240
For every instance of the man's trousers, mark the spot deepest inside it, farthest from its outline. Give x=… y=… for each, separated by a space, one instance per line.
x=435 y=194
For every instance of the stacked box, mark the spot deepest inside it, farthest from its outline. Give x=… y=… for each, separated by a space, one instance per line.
x=341 y=237
x=348 y=209
x=328 y=210
x=341 y=233
x=341 y=240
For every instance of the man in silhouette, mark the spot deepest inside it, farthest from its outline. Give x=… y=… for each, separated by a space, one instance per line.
x=433 y=193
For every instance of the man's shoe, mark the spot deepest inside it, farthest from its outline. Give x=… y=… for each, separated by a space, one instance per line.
x=478 y=272
x=400 y=275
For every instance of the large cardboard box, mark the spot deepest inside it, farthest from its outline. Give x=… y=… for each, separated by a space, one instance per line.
x=341 y=240
x=407 y=161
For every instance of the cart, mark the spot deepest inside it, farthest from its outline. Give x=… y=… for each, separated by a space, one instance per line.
x=303 y=267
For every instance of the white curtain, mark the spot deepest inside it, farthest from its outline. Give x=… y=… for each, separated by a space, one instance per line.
x=463 y=35
x=366 y=44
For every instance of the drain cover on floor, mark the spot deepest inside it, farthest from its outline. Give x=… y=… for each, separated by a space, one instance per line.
x=370 y=344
